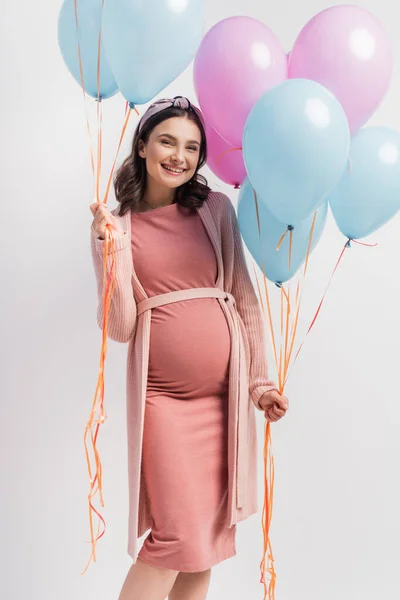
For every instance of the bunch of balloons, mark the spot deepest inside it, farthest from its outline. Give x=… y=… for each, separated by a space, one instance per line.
x=296 y=121
x=137 y=48
x=292 y=123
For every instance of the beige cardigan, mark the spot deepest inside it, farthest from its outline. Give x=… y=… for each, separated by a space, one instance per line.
x=130 y=321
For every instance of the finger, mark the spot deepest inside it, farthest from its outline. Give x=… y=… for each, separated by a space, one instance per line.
x=101 y=208
x=279 y=412
x=269 y=416
x=99 y=226
x=100 y=219
x=282 y=402
x=275 y=417
x=112 y=222
x=279 y=407
x=94 y=207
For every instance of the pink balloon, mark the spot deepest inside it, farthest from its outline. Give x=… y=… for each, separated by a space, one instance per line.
x=347 y=50
x=224 y=161
x=238 y=60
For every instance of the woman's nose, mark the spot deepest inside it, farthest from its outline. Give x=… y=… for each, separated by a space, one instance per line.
x=178 y=156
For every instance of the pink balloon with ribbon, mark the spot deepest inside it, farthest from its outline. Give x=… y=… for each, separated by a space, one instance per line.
x=225 y=161
x=346 y=49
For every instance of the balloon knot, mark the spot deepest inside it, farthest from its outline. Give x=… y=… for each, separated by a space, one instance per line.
x=278 y=284
x=132 y=105
x=236 y=186
x=348 y=245
x=290 y=227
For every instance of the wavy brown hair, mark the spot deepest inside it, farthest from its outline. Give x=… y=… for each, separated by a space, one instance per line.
x=130 y=179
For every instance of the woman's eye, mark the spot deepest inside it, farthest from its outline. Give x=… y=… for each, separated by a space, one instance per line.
x=193 y=148
x=166 y=142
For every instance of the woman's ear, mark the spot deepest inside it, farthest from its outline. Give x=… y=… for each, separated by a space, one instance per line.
x=141 y=149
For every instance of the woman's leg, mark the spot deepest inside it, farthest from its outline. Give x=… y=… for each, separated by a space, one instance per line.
x=145 y=582
x=191 y=586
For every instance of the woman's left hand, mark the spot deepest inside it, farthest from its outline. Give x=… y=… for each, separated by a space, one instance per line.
x=274 y=405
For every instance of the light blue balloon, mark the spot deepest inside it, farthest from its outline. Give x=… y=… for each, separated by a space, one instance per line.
x=296 y=145
x=149 y=43
x=89 y=21
x=276 y=263
x=368 y=194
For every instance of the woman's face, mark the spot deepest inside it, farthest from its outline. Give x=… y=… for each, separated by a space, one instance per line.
x=172 y=151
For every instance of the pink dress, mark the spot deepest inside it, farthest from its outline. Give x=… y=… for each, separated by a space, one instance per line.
x=185 y=451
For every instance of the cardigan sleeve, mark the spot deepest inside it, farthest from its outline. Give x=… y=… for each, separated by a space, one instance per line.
x=249 y=309
x=122 y=312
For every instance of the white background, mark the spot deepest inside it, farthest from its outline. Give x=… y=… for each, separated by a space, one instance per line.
x=335 y=526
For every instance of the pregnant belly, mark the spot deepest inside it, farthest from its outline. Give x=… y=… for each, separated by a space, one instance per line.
x=189 y=349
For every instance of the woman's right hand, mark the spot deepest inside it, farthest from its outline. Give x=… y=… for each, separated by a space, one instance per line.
x=102 y=218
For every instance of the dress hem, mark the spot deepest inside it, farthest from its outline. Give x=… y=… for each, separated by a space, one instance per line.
x=187 y=569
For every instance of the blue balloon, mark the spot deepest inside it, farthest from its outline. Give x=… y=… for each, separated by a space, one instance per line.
x=89 y=21
x=276 y=262
x=296 y=145
x=368 y=194
x=148 y=44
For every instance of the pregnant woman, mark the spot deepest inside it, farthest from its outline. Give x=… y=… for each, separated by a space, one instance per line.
x=196 y=367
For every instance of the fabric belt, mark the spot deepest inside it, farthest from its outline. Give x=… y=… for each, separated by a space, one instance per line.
x=177 y=296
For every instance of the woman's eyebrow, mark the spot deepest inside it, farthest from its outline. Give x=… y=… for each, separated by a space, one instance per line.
x=168 y=135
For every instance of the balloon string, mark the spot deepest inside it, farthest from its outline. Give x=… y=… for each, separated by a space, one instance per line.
x=99 y=116
x=83 y=90
x=267 y=560
x=98 y=401
x=299 y=296
x=284 y=292
x=99 y=148
x=281 y=239
x=100 y=385
x=287 y=333
x=269 y=320
x=227 y=152
x=268 y=302
x=281 y=338
x=352 y=241
x=286 y=318
x=108 y=289
x=124 y=128
x=283 y=363
x=322 y=300
x=310 y=239
x=345 y=247
x=99 y=55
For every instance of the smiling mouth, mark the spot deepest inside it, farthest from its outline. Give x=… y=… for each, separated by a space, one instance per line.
x=172 y=170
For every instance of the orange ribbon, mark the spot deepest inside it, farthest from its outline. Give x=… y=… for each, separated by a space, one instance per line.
x=282 y=355
x=94 y=422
